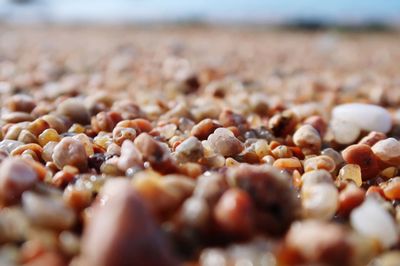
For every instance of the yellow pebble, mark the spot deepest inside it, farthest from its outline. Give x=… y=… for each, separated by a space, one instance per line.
x=351 y=172
x=48 y=135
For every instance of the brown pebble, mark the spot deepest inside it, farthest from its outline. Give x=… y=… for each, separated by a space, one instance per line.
x=233 y=213
x=20 y=103
x=276 y=202
x=155 y=153
x=16 y=176
x=70 y=151
x=349 y=198
x=362 y=155
x=318 y=243
x=122 y=232
x=204 y=128
x=283 y=123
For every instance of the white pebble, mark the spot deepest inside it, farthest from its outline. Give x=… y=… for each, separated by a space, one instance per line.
x=388 y=150
x=371 y=220
x=320 y=201
x=344 y=132
x=366 y=116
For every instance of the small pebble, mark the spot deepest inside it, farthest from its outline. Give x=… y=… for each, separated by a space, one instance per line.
x=223 y=141
x=308 y=139
x=367 y=117
x=190 y=149
x=233 y=213
x=320 y=201
x=16 y=176
x=75 y=110
x=363 y=156
x=70 y=151
x=130 y=156
x=372 y=220
x=122 y=232
x=388 y=151
x=351 y=172
x=48 y=212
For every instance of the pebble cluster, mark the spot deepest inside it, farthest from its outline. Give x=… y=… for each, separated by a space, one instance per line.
x=133 y=155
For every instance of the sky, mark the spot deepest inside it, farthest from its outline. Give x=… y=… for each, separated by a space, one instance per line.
x=207 y=10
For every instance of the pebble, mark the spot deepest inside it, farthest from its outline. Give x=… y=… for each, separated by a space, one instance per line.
x=372 y=138
x=233 y=213
x=372 y=220
x=189 y=150
x=362 y=155
x=195 y=212
x=349 y=198
x=319 y=162
x=344 y=132
x=204 y=128
x=275 y=200
x=316 y=177
x=9 y=145
x=122 y=232
x=75 y=110
x=130 y=156
x=318 y=241
x=308 y=139
x=158 y=155
x=47 y=211
x=223 y=141
x=16 y=176
x=320 y=201
x=351 y=172
x=70 y=151
x=367 y=117
x=388 y=151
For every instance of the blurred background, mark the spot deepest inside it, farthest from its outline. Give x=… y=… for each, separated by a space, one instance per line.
x=308 y=13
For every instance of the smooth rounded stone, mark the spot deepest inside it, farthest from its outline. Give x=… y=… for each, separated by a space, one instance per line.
x=75 y=110
x=16 y=176
x=70 y=151
x=195 y=212
x=367 y=117
x=189 y=150
x=276 y=202
x=388 y=150
x=48 y=211
x=224 y=142
x=372 y=220
x=316 y=177
x=349 y=198
x=122 y=232
x=9 y=145
x=344 y=132
x=308 y=139
x=130 y=156
x=362 y=155
x=320 y=201
x=234 y=213
x=319 y=243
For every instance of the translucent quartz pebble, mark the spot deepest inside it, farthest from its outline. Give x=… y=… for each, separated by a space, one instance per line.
x=366 y=116
x=351 y=172
x=372 y=220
